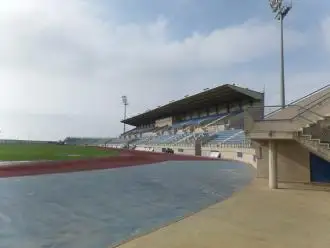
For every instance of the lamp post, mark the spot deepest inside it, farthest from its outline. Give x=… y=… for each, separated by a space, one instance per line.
x=281 y=9
x=125 y=102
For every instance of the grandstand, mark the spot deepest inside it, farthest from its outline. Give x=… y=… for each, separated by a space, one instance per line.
x=290 y=144
x=213 y=117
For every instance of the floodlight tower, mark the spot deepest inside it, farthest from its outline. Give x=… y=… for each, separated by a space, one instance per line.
x=281 y=9
x=125 y=102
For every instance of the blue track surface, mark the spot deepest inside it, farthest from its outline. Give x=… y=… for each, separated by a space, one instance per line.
x=101 y=208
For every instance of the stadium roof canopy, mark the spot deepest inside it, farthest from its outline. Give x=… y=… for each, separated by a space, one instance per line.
x=220 y=95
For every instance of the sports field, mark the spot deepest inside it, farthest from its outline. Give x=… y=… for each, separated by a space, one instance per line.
x=35 y=152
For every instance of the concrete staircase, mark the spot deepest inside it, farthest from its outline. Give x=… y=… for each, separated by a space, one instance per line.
x=307 y=121
x=316 y=138
x=314 y=145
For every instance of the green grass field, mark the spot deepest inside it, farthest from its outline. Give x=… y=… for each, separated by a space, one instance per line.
x=34 y=152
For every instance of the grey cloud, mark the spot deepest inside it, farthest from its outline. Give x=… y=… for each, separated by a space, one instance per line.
x=61 y=57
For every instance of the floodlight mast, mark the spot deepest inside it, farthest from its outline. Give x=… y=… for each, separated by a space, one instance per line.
x=125 y=102
x=281 y=10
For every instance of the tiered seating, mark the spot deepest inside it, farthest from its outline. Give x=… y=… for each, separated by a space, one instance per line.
x=204 y=128
x=186 y=123
x=165 y=139
x=192 y=138
x=202 y=131
x=237 y=138
x=160 y=129
x=209 y=120
x=143 y=140
x=199 y=121
x=223 y=118
x=224 y=136
x=181 y=124
x=173 y=139
x=158 y=139
x=148 y=134
x=212 y=118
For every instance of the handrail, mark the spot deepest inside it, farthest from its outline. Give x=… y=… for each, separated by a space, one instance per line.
x=292 y=120
x=308 y=109
x=297 y=100
x=300 y=107
x=287 y=119
x=310 y=94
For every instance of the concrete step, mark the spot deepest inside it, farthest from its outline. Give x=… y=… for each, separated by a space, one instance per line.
x=314 y=145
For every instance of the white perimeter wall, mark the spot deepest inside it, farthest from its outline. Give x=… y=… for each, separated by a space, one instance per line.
x=227 y=153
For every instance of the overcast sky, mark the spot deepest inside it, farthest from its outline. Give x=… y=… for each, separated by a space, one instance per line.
x=64 y=64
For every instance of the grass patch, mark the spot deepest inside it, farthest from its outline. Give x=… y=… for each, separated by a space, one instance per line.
x=35 y=152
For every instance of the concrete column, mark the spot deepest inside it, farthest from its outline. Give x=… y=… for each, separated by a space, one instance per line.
x=272 y=165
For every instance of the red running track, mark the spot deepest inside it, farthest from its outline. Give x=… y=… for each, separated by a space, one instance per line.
x=125 y=159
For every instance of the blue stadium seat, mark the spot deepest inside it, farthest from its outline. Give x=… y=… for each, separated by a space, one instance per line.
x=198 y=121
x=235 y=136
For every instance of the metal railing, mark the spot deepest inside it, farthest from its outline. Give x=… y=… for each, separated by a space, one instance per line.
x=291 y=118
x=279 y=108
x=306 y=108
x=319 y=131
x=300 y=111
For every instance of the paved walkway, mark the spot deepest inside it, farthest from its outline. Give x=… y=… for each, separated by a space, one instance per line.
x=255 y=217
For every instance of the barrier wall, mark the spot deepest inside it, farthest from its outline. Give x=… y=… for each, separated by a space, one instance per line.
x=245 y=155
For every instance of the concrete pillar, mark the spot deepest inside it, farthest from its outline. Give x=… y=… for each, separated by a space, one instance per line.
x=272 y=165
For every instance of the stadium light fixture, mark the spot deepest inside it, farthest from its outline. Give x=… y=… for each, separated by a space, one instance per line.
x=281 y=9
x=125 y=103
